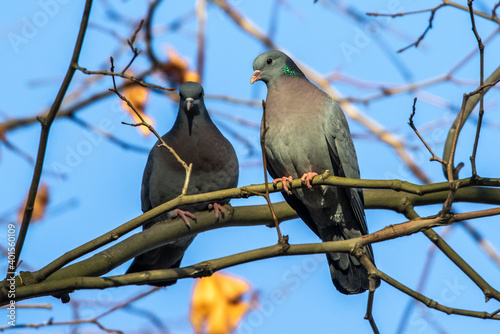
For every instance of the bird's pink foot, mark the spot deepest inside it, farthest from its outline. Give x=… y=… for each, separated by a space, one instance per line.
x=283 y=181
x=184 y=215
x=217 y=208
x=307 y=178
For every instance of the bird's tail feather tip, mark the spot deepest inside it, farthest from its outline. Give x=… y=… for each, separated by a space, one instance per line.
x=351 y=280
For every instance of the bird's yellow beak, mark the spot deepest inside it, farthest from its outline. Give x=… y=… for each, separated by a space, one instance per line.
x=255 y=76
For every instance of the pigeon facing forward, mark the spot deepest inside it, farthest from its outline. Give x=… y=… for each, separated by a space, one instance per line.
x=198 y=141
x=308 y=134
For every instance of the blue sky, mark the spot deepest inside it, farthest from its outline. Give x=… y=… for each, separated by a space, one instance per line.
x=100 y=190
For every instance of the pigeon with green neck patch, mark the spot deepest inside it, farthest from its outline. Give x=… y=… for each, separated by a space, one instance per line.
x=196 y=139
x=308 y=134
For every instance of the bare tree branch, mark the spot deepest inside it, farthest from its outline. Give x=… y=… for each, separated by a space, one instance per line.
x=380 y=199
x=46 y=122
x=63 y=282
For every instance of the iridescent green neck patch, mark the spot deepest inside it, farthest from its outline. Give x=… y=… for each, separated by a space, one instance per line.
x=288 y=71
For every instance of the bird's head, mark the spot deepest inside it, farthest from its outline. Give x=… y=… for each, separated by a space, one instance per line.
x=191 y=102
x=191 y=94
x=273 y=64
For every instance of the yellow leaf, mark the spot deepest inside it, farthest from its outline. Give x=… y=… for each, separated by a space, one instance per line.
x=230 y=287
x=138 y=96
x=41 y=201
x=216 y=304
x=237 y=312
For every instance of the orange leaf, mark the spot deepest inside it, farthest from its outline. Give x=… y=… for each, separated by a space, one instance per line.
x=41 y=201
x=216 y=305
x=175 y=58
x=192 y=76
x=2 y=133
x=177 y=69
x=138 y=96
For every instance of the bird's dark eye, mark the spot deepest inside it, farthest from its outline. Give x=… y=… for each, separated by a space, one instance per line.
x=269 y=61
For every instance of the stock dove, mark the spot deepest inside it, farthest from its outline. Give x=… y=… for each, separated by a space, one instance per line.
x=308 y=134
x=196 y=139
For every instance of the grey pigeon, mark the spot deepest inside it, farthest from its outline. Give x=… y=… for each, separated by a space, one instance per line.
x=196 y=139
x=308 y=134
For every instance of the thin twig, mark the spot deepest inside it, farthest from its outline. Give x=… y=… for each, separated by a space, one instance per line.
x=234 y=100
x=369 y=306
x=491 y=17
x=429 y=26
x=125 y=76
x=201 y=14
x=483 y=242
x=281 y=240
x=135 y=51
x=406 y=13
x=18 y=151
x=494 y=10
x=94 y=320
x=481 y=75
x=127 y=302
x=149 y=34
x=412 y=125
